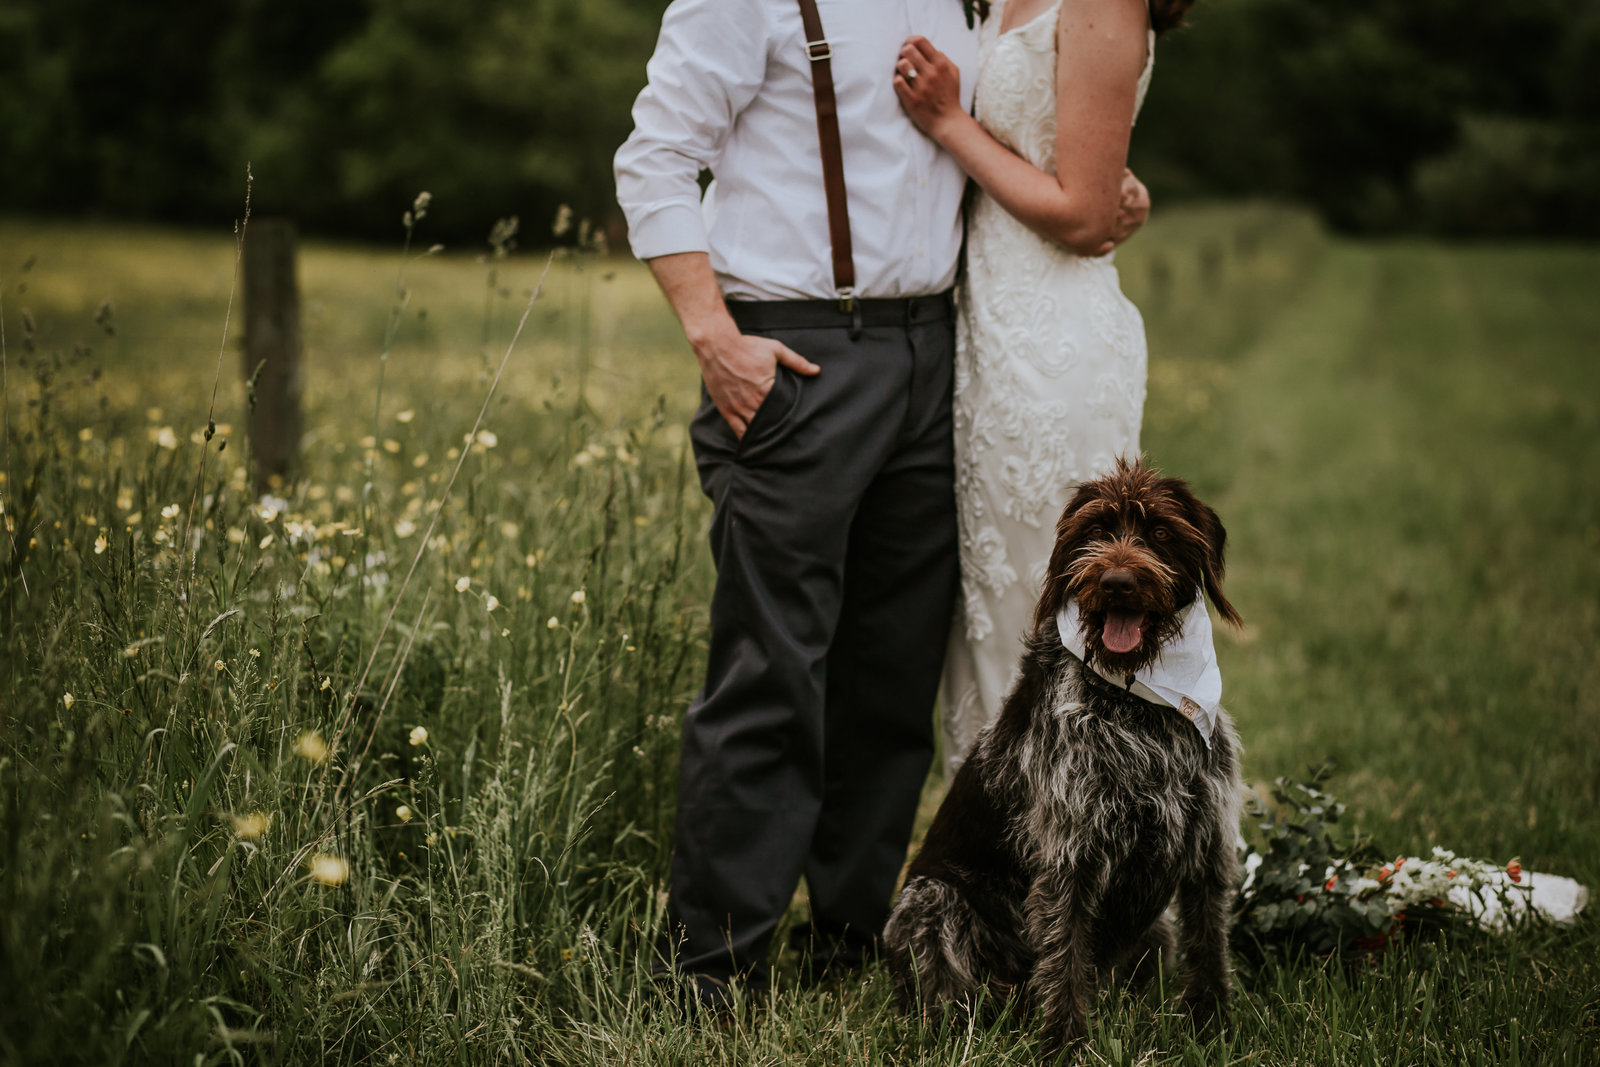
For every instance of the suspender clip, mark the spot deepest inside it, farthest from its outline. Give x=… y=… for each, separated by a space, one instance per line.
x=849 y=305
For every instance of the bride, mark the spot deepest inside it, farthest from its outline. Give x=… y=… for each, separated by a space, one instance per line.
x=1050 y=356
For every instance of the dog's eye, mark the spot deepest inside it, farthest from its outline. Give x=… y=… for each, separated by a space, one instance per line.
x=1160 y=533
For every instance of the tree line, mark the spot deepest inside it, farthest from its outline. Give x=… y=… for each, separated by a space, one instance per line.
x=1428 y=115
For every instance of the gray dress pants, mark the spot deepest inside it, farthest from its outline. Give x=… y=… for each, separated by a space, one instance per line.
x=834 y=536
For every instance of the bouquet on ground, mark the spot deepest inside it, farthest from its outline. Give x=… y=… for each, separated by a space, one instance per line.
x=1308 y=886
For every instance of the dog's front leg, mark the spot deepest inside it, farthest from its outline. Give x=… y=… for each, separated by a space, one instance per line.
x=1059 y=917
x=1203 y=907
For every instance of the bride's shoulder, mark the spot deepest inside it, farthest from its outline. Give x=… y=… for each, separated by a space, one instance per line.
x=1114 y=32
x=1105 y=18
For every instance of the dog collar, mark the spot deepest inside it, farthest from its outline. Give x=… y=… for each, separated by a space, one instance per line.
x=1184 y=675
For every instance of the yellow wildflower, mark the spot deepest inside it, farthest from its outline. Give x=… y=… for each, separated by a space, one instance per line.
x=311 y=747
x=251 y=827
x=329 y=870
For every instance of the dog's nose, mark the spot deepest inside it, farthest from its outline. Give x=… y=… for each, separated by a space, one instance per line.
x=1118 y=580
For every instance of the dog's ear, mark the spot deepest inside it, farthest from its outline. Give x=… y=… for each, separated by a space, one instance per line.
x=1070 y=535
x=1216 y=539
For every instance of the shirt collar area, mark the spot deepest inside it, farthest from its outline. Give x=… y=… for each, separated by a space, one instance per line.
x=1185 y=676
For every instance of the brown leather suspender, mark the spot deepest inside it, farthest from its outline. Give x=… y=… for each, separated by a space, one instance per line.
x=821 y=53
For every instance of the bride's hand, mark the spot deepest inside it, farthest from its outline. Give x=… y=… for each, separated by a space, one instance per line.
x=928 y=84
x=1133 y=207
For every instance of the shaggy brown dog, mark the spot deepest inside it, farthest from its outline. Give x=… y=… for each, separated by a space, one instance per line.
x=1083 y=809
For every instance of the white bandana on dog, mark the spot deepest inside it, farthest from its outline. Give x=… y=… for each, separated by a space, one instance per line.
x=1184 y=676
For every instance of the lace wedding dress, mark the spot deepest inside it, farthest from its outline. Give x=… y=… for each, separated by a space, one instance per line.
x=1049 y=390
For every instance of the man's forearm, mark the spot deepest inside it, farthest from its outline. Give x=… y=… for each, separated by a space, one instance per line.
x=691 y=288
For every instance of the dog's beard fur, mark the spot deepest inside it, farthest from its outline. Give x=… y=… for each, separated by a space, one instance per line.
x=1153 y=611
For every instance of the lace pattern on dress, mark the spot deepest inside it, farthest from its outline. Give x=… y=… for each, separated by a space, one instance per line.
x=1049 y=384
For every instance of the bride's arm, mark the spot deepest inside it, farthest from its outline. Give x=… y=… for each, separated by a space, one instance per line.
x=1101 y=47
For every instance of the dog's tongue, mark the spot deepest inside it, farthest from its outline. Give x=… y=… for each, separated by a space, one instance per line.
x=1123 y=631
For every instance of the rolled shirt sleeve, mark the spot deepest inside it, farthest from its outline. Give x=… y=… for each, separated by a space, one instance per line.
x=709 y=63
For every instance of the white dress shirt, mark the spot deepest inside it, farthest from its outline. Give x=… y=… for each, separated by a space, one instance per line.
x=730 y=91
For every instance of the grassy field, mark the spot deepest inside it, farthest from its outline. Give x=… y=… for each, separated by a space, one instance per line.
x=362 y=778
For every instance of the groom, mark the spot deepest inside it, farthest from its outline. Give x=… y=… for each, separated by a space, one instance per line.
x=824 y=442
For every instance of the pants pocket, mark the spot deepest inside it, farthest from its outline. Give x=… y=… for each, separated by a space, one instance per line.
x=775 y=411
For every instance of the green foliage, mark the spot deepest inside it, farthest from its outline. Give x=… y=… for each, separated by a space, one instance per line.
x=1301 y=896
x=1433 y=115
x=340 y=106
x=1508 y=176
x=1369 y=112
x=518 y=105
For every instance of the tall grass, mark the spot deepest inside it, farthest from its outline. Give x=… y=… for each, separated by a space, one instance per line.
x=224 y=839
x=217 y=840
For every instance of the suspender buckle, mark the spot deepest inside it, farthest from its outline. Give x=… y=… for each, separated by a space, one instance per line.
x=849 y=305
x=817 y=51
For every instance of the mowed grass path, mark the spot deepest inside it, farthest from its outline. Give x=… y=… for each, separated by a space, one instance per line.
x=1410 y=463
x=1402 y=438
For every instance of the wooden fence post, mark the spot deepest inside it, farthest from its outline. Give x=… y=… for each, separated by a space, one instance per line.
x=272 y=374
